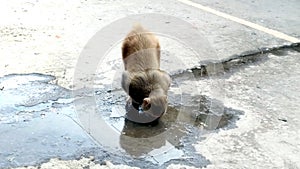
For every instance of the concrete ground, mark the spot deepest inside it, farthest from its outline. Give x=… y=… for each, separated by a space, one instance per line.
x=253 y=47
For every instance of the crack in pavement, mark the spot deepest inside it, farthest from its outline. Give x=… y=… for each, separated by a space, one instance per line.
x=219 y=67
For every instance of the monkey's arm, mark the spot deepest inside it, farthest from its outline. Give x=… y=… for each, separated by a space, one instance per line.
x=166 y=80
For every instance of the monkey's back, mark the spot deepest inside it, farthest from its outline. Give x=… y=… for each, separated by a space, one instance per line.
x=140 y=50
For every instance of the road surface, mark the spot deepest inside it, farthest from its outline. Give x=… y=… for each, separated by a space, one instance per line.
x=233 y=100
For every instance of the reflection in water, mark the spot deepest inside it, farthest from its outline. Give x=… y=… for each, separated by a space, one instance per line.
x=135 y=130
x=140 y=139
x=150 y=116
x=156 y=142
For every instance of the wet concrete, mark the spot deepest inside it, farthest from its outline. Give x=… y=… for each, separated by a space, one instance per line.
x=40 y=120
x=36 y=121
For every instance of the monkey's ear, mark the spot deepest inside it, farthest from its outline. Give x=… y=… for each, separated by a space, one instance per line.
x=126 y=81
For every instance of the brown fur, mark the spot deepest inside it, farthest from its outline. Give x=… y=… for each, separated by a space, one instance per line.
x=142 y=79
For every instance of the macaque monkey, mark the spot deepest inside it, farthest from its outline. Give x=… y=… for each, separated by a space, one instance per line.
x=142 y=79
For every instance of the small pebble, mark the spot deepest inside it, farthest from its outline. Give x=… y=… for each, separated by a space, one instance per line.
x=284 y=120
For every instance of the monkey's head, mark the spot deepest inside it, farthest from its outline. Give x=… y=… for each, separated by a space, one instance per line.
x=157 y=108
x=147 y=89
x=139 y=89
x=145 y=93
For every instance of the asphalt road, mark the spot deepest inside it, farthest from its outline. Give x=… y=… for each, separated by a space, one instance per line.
x=246 y=92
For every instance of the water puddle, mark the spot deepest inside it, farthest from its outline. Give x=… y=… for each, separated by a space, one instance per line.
x=40 y=120
x=168 y=140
